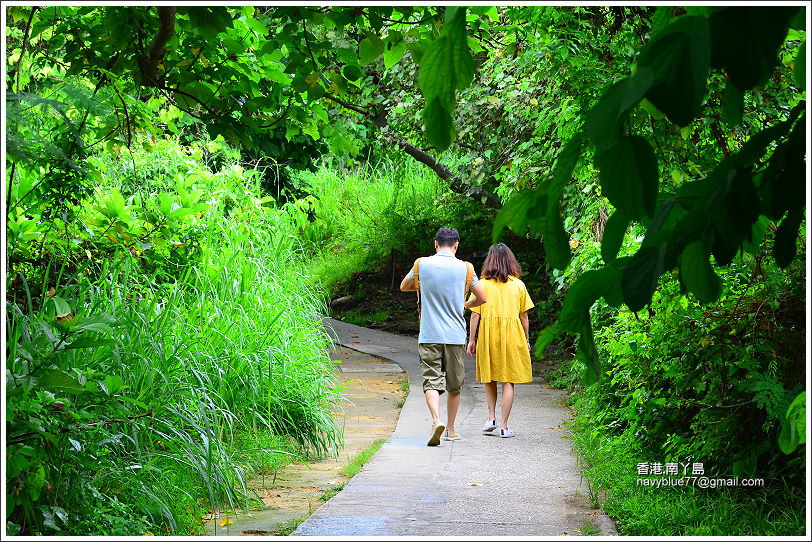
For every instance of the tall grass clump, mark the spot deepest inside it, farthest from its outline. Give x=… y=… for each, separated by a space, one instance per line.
x=150 y=363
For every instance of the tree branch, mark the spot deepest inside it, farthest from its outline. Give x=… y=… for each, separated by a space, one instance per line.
x=350 y=106
x=440 y=169
x=157 y=50
x=25 y=44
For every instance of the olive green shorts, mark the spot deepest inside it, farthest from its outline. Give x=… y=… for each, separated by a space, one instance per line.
x=443 y=366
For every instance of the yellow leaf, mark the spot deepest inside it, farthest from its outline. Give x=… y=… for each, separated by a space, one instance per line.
x=149 y=533
x=493 y=100
x=225 y=522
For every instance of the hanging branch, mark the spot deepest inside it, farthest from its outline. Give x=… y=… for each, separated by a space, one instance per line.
x=157 y=49
x=25 y=44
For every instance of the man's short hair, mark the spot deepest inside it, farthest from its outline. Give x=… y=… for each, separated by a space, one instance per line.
x=446 y=237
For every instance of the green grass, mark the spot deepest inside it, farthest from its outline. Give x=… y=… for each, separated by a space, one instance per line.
x=588 y=528
x=357 y=462
x=286 y=528
x=331 y=492
x=204 y=367
x=404 y=391
x=610 y=468
x=363 y=215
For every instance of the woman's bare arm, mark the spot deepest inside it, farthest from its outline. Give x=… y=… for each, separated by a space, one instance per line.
x=526 y=325
x=472 y=334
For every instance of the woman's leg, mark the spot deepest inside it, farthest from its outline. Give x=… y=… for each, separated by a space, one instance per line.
x=507 y=402
x=490 y=397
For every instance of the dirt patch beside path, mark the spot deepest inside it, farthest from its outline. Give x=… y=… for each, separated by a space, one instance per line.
x=372 y=387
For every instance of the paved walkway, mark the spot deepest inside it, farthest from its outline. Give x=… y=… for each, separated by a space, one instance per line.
x=480 y=485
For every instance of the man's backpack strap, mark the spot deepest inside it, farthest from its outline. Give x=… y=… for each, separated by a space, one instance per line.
x=469 y=277
x=416 y=273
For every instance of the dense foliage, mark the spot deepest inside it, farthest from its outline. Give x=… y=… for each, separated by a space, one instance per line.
x=184 y=185
x=151 y=349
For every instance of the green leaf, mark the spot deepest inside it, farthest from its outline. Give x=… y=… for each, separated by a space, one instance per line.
x=417 y=50
x=613 y=233
x=96 y=322
x=517 y=213
x=698 y=274
x=545 y=337
x=738 y=207
x=732 y=104
x=445 y=66
x=660 y=19
x=786 y=236
x=352 y=72
x=61 y=307
x=393 y=54
x=436 y=76
x=603 y=123
x=746 y=40
x=629 y=176
x=587 y=288
x=587 y=354
x=555 y=239
x=112 y=383
x=799 y=67
x=437 y=120
x=565 y=165
x=641 y=275
x=56 y=379
x=463 y=62
x=680 y=59
x=370 y=48
x=793 y=426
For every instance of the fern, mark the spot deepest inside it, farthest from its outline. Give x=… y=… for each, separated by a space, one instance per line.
x=768 y=394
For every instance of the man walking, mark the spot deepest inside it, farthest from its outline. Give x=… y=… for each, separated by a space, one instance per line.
x=442 y=283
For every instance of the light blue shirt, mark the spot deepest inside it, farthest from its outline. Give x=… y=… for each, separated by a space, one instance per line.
x=442 y=298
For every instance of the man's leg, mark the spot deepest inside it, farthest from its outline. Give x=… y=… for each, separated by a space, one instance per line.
x=433 y=402
x=433 y=383
x=453 y=406
x=453 y=356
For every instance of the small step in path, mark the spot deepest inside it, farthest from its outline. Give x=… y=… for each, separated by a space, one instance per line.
x=481 y=485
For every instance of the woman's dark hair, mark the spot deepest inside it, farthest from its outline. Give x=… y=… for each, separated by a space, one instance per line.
x=500 y=263
x=446 y=237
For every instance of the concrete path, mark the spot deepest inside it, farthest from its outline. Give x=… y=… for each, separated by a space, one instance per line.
x=480 y=485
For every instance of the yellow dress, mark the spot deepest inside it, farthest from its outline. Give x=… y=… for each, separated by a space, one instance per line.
x=501 y=349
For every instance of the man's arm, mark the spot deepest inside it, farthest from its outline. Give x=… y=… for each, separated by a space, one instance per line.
x=407 y=284
x=479 y=296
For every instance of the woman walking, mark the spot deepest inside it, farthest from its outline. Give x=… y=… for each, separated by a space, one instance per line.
x=503 y=343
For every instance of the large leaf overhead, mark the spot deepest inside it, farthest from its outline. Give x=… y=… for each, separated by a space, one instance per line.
x=629 y=176
x=445 y=67
x=680 y=59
